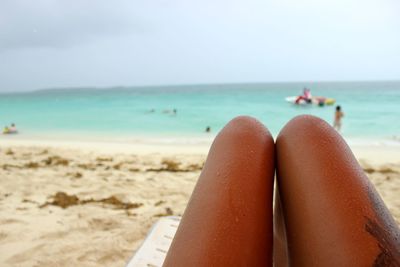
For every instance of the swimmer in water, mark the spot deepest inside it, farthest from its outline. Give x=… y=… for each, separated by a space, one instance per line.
x=13 y=128
x=6 y=130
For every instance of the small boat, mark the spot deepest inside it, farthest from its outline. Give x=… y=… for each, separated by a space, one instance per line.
x=316 y=100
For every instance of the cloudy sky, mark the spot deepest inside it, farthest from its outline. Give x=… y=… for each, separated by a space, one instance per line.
x=69 y=43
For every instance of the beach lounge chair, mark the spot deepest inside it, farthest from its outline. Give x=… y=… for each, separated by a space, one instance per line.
x=154 y=248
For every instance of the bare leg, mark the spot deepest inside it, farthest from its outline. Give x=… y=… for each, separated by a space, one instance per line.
x=228 y=221
x=332 y=215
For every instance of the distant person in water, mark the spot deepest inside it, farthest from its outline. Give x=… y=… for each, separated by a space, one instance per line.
x=337 y=124
x=208 y=129
x=10 y=130
x=306 y=96
x=6 y=130
x=13 y=128
x=173 y=111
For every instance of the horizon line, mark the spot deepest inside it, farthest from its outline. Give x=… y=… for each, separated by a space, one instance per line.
x=190 y=84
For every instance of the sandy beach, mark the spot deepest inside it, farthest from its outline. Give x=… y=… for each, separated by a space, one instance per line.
x=89 y=204
x=108 y=110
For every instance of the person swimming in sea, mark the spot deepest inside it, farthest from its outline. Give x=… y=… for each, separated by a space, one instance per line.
x=6 y=130
x=13 y=128
x=337 y=124
x=10 y=130
x=306 y=96
x=169 y=111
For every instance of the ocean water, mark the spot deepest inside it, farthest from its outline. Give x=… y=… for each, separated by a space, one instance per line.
x=372 y=109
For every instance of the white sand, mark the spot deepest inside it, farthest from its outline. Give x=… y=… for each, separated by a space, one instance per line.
x=149 y=181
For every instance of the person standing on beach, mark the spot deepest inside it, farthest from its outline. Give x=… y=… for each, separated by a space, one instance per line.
x=337 y=124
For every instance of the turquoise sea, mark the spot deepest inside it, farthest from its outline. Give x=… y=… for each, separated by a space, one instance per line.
x=372 y=109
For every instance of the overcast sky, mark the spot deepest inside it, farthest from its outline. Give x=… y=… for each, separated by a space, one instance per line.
x=69 y=43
